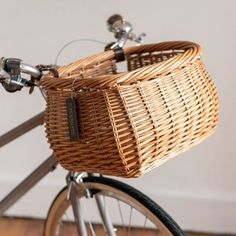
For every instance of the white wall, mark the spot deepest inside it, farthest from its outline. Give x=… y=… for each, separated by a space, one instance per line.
x=197 y=188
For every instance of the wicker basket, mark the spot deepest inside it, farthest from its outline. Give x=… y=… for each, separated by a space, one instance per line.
x=131 y=122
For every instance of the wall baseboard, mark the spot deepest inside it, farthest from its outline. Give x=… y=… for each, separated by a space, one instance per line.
x=201 y=214
x=193 y=213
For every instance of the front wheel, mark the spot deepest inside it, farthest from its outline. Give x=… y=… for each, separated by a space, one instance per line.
x=130 y=211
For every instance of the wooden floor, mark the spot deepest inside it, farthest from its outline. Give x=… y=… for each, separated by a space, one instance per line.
x=30 y=227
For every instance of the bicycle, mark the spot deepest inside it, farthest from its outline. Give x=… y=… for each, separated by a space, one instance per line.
x=68 y=213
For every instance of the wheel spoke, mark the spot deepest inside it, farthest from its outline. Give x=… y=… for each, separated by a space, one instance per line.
x=145 y=222
x=144 y=225
x=121 y=216
x=130 y=219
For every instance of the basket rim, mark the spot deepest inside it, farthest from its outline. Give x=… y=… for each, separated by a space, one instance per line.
x=189 y=53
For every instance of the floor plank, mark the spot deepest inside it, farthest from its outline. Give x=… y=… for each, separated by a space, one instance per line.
x=34 y=227
x=20 y=227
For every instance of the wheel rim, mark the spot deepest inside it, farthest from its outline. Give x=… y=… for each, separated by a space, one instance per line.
x=128 y=215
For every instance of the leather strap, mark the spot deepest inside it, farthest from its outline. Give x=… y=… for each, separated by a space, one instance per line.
x=119 y=54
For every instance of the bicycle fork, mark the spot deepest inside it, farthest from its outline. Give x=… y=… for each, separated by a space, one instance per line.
x=73 y=181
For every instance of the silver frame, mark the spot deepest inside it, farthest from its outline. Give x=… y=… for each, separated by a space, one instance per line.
x=42 y=170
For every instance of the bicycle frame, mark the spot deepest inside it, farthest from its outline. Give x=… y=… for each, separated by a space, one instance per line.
x=47 y=166
x=40 y=172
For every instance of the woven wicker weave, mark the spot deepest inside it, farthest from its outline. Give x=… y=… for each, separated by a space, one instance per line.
x=131 y=122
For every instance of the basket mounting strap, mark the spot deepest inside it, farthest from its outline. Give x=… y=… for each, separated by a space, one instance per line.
x=119 y=54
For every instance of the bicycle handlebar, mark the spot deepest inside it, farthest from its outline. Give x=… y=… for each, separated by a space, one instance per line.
x=11 y=68
x=30 y=70
x=10 y=74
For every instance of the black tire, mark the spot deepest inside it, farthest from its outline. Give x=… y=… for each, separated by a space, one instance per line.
x=149 y=206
